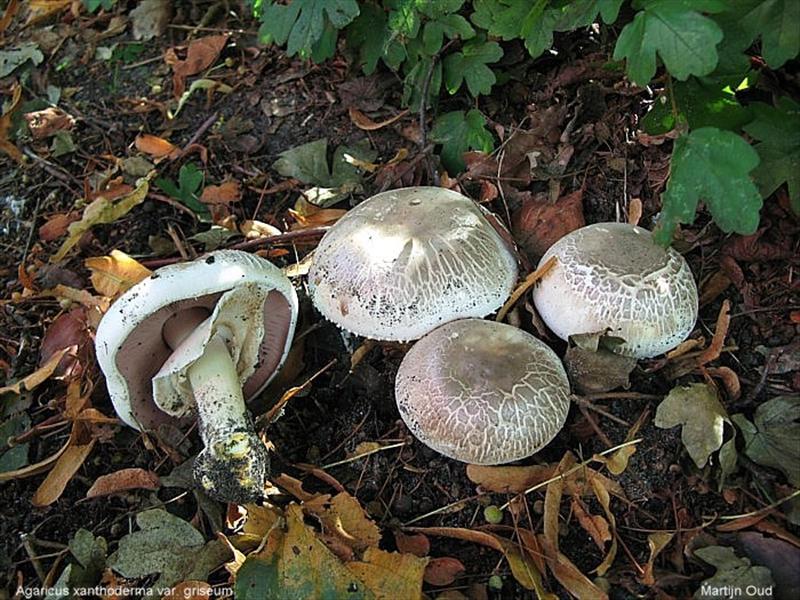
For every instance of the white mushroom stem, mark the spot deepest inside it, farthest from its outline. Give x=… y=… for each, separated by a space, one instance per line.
x=201 y=372
x=234 y=463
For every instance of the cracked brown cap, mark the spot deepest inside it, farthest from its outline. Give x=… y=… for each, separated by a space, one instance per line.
x=613 y=277
x=482 y=392
x=405 y=261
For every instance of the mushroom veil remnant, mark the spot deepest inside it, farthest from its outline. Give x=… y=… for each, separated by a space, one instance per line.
x=482 y=392
x=613 y=277
x=405 y=261
x=201 y=338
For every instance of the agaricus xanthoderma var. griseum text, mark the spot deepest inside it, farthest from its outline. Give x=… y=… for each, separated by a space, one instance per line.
x=482 y=392
x=201 y=338
x=613 y=278
x=405 y=261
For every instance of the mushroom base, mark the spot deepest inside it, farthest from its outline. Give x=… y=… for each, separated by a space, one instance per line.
x=233 y=469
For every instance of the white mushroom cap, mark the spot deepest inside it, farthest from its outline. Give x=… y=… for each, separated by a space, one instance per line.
x=130 y=341
x=482 y=392
x=613 y=276
x=405 y=261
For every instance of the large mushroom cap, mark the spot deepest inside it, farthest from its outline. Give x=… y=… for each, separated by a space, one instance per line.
x=482 y=392
x=405 y=261
x=132 y=337
x=613 y=276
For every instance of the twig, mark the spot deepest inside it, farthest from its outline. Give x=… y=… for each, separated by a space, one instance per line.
x=198 y=134
x=30 y=551
x=272 y=414
x=364 y=455
x=530 y=280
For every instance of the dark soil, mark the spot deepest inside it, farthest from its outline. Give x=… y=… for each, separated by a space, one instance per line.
x=345 y=407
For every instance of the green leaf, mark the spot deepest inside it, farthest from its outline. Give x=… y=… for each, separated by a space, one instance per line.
x=93 y=5
x=500 y=18
x=697 y=409
x=452 y=26
x=309 y=164
x=404 y=20
x=14 y=58
x=190 y=177
x=778 y=24
x=698 y=105
x=301 y=24
x=459 y=132
x=167 y=545
x=13 y=457
x=733 y=573
x=470 y=65
x=684 y=39
x=772 y=440
x=575 y=14
x=609 y=10
x=370 y=34
x=537 y=29
x=778 y=131
x=712 y=165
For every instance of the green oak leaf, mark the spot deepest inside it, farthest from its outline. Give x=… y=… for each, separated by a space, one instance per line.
x=684 y=39
x=712 y=165
x=732 y=573
x=772 y=438
x=301 y=24
x=778 y=24
x=469 y=65
x=777 y=130
x=458 y=132
x=699 y=104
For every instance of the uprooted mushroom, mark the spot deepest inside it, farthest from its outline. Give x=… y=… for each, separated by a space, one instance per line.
x=202 y=338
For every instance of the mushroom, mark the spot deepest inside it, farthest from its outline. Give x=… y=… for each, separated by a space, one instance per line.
x=202 y=337
x=612 y=277
x=405 y=261
x=482 y=392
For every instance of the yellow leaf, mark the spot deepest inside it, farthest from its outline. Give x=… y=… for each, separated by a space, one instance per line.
x=113 y=275
x=657 y=542
x=390 y=575
x=57 y=479
x=344 y=516
x=39 y=10
x=39 y=376
x=5 y=125
x=100 y=211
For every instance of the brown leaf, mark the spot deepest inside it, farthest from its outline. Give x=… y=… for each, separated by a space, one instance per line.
x=729 y=379
x=568 y=575
x=538 y=223
x=59 y=476
x=634 y=211
x=155 y=146
x=720 y=331
x=552 y=501
x=417 y=544
x=512 y=480
x=69 y=331
x=57 y=225
x=657 y=542
x=200 y=55
x=362 y=121
x=123 y=480
x=225 y=193
x=595 y=525
x=39 y=10
x=5 y=125
x=38 y=377
x=46 y=122
x=713 y=287
x=443 y=571
x=115 y=274
x=8 y=15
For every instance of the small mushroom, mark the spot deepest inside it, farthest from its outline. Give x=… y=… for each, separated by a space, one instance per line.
x=405 y=261
x=482 y=392
x=202 y=337
x=612 y=277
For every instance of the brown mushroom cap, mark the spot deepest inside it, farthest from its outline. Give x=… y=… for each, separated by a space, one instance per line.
x=130 y=341
x=405 y=261
x=482 y=392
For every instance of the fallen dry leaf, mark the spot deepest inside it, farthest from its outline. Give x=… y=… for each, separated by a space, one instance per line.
x=538 y=223
x=123 y=480
x=362 y=121
x=39 y=10
x=595 y=525
x=5 y=125
x=634 y=211
x=115 y=274
x=156 y=147
x=568 y=575
x=38 y=377
x=417 y=544
x=443 y=570
x=8 y=14
x=59 y=476
x=101 y=211
x=200 y=55
x=225 y=193
x=512 y=480
x=46 y=122
x=720 y=331
x=68 y=331
x=656 y=542
x=57 y=225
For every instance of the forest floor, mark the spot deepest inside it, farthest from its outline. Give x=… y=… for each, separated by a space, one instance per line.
x=568 y=144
